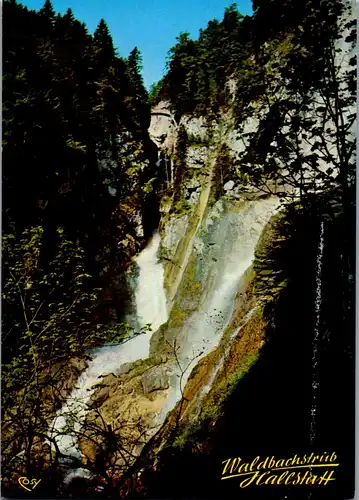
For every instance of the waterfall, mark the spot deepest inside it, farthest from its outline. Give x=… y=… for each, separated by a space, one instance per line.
x=317 y=308
x=234 y=236
x=151 y=309
x=150 y=295
x=223 y=249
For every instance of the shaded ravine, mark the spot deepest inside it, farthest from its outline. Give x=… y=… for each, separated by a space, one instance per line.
x=226 y=351
x=223 y=249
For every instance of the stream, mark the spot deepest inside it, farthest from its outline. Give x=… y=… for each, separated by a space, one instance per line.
x=151 y=309
x=223 y=250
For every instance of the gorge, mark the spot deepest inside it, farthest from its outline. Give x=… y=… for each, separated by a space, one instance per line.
x=179 y=279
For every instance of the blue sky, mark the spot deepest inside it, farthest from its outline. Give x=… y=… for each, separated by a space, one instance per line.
x=151 y=25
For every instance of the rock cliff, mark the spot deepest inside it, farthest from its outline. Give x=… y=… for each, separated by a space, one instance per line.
x=215 y=326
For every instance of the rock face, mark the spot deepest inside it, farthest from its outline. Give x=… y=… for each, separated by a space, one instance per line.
x=228 y=186
x=70 y=373
x=173 y=232
x=212 y=220
x=210 y=226
x=129 y=404
x=155 y=379
x=163 y=127
x=192 y=190
x=185 y=354
x=207 y=248
x=196 y=157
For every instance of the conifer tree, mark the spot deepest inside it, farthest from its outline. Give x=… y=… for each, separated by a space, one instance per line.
x=103 y=40
x=134 y=69
x=48 y=10
x=69 y=16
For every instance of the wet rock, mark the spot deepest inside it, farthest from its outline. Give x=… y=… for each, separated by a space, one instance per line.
x=238 y=140
x=197 y=157
x=125 y=368
x=109 y=380
x=194 y=198
x=155 y=379
x=159 y=359
x=100 y=397
x=173 y=231
x=228 y=186
x=231 y=86
x=192 y=190
x=70 y=372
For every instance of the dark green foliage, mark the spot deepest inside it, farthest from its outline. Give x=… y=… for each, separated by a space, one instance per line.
x=223 y=171
x=297 y=74
x=310 y=131
x=239 y=48
x=48 y=303
x=73 y=114
x=197 y=70
x=138 y=92
x=134 y=68
x=48 y=300
x=75 y=150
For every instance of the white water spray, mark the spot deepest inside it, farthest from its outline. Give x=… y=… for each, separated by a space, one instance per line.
x=150 y=295
x=318 y=304
x=151 y=308
x=224 y=250
x=235 y=235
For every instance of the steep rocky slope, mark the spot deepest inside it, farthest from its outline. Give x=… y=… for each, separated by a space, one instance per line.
x=237 y=273
x=215 y=324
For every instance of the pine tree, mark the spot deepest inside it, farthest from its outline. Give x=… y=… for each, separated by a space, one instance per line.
x=103 y=40
x=48 y=10
x=134 y=61
x=134 y=69
x=69 y=16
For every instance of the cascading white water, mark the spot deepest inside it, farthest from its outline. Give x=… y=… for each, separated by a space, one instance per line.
x=235 y=235
x=223 y=249
x=150 y=295
x=151 y=309
x=317 y=307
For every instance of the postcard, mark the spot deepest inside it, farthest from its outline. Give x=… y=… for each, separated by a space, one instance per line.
x=178 y=249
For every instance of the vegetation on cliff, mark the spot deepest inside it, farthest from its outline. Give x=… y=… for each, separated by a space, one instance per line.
x=76 y=154
x=299 y=69
x=292 y=66
x=75 y=150
x=79 y=179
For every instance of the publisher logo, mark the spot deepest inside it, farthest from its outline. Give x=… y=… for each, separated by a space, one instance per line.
x=28 y=484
